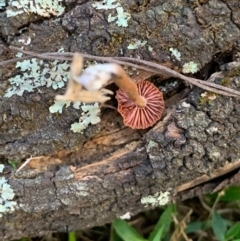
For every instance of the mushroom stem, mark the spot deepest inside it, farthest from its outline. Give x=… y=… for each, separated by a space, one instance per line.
x=124 y=82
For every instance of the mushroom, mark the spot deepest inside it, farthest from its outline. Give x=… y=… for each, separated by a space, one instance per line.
x=140 y=104
x=137 y=116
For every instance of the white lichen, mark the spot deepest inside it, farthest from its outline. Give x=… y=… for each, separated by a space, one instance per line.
x=158 y=199
x=121 y=18
x=126 y=216
x=2 y=3
x=208 y=96
x=44 y=8
x=137 y=44
x=58 y=106
x=1 y=167
x=90 y=115
x=6 y=195
x=185 y=104
x=175 y=53
x=19 y=55
x=37 y=73
x=26 y=41
x=190 y=67
x=106 y=4
x=151 y=144
x=150 y=48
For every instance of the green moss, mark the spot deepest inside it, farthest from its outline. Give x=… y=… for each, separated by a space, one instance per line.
x=225 y=81
x=14 y=163
x=114 y=45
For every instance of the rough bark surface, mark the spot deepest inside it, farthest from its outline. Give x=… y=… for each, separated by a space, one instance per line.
x=90 y=179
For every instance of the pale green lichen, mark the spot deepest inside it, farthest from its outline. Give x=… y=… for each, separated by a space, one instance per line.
x=176 y=53
x=151 y=144
x=90 y=115
x=36 y=73
x=106 y=4
x=121 y=18
x=44 y=8
x=6 y=195
x=190 y=67
x=137 y=44
x=58 y=106
x=1 y=167
x=158 y=199
x=2 y=3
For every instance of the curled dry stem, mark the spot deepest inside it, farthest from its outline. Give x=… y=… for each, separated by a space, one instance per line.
x=74 y=90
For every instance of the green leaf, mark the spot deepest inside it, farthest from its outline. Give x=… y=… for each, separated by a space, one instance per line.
x=219 y=226
x=14 y=163
x=72 y=236
x=25 y=239
x=233 y=232
x=231 y=194
x=159 y=234
x=194 y=227
x=126 y=232
x=114 y=236
x=164 y=221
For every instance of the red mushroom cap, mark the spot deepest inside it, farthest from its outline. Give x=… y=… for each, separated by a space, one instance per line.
x=141 y=118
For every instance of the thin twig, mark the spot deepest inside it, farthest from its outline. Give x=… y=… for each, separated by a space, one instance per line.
x=68 y=56
x=137 y=63
x=220 y=194
x=175 y=74
x=205 y=206
x=11 y=61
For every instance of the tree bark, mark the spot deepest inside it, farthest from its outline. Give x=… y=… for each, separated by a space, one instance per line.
x=84 y=180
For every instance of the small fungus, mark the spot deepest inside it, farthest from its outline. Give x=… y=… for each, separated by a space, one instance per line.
x=138 y=116
x=140 y=104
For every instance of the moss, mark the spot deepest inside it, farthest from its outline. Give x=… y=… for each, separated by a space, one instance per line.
x=207 y=97
x=225 y=81
x=229 y=74
x=114 y=44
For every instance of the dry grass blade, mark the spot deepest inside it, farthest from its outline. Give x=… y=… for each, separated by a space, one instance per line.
x=179 y=231
x=27 y=161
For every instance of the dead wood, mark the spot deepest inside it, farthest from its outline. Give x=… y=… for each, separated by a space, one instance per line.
x=87 y=180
